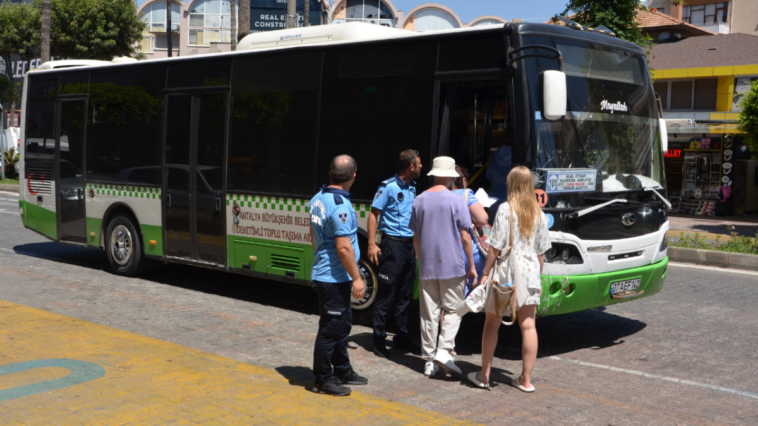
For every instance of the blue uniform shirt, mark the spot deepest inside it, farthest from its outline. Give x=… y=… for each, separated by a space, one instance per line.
x=332 y=215
x=395 y=199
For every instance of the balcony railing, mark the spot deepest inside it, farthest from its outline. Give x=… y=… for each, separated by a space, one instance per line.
x=718 y=27
x=161 y=28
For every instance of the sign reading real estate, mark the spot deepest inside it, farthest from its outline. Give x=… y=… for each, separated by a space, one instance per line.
x=741 y=87
x=270 y=15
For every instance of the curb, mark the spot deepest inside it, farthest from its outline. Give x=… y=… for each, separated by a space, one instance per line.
x=719 y=259
x=9 y=188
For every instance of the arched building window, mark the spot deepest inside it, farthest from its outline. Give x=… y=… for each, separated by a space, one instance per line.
x=210 y=20
x=434 y=19
x=487 y=22
x=370 y=11
x=154 y=36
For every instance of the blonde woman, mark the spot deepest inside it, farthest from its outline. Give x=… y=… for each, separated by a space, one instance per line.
x=530 y=242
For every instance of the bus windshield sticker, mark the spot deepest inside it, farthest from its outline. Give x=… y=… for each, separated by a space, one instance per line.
x=571 y=181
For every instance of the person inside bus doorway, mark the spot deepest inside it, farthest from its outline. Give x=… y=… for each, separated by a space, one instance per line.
x=335 y=275
x=440 y=222
x=497 y=172
x=394 y=255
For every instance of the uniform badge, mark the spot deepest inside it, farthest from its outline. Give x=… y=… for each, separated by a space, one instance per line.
x=343 y=217
x=400 y=197
x=378 y=194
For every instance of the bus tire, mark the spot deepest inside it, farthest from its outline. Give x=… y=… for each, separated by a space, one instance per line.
x=369 y=278
x=124 y=247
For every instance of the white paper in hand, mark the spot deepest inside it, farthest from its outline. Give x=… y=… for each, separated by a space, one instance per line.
x=485 y=199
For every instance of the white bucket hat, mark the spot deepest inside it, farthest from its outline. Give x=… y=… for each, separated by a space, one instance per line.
x=443 y=167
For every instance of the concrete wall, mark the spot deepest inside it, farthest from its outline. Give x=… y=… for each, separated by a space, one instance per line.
x=745 y=17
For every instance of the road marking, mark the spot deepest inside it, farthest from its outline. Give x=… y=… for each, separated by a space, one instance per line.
x=8 y=250
x=80 y=372
x=734 y=391
x=713 y=268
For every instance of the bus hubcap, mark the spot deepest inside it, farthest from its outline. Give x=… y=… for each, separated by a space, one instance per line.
x=121 y=245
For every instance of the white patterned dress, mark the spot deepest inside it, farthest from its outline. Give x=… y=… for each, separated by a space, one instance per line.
x=525 y=251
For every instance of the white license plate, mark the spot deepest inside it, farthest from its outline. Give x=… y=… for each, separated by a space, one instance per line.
x=628 y=285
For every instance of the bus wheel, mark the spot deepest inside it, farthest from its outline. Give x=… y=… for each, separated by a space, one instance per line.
x=369 y=277
x=124 y=248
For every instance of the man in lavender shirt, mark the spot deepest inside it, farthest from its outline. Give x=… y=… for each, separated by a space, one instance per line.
x=440 y=221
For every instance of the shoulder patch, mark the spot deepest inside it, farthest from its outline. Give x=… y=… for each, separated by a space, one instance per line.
x=379 y=193
x=343 y=217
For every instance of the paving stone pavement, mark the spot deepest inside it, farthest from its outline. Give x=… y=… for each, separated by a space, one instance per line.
x=701 y=328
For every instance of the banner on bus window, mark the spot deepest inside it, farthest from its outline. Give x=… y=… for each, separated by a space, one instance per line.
x=561 y=181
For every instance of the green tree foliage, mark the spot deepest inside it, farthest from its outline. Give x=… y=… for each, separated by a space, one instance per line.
x=19 y=32
x=8 y=92
x=620 y=16
x=748 y=118
x=95 y=29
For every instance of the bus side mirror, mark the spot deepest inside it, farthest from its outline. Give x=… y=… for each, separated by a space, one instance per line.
x=554 y=96
x=664 y=135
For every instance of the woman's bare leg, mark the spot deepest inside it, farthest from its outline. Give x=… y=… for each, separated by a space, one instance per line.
x=529 y=343
x=489 y=343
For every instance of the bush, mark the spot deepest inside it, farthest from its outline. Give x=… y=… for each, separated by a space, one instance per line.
x=737 y=243
x=11 y=159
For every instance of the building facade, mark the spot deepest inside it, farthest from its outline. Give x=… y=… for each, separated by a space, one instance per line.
x=720 y=17
x=204 y=26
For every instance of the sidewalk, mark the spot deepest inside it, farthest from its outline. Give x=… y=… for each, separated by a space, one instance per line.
x=60 y=370
x=712 y=226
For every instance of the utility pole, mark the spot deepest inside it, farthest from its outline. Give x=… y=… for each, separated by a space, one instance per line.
x=291 y=13
x=244 y=12
x=306 y=13
x=168 y=28
x=234 y=25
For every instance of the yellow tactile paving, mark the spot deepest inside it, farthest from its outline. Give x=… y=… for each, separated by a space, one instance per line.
x=128 y=379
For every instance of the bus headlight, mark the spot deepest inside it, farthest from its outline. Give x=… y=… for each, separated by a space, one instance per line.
x=21 y=211
x=562 y=253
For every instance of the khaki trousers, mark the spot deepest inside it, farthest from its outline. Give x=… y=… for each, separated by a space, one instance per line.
x=434 y=296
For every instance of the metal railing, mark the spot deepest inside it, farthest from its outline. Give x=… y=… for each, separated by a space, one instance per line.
x=717 y=27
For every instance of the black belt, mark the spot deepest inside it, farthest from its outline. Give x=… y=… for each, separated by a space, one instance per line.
x=398 y=239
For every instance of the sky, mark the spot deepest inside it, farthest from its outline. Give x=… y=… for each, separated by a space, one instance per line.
x=532 y=10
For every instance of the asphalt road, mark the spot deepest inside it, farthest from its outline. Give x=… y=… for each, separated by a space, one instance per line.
x=688 y=355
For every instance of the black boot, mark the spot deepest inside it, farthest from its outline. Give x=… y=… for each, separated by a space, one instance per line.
x=331 y=387
x=405 y=343
x=352 y=378
x=380 y=350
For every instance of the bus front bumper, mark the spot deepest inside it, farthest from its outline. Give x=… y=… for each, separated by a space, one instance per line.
x=564 y=294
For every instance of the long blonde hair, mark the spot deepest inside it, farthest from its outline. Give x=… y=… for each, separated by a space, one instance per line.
x=521 y=198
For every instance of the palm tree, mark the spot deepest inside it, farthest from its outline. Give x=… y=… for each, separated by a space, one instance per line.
x=168 y=28
x=234 y=25
x=45 y=47
x=244 y=26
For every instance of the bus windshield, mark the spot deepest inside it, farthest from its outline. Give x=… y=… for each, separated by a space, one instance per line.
x=608 y=141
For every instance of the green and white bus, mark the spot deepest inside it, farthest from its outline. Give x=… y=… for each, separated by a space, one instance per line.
x=210 y=160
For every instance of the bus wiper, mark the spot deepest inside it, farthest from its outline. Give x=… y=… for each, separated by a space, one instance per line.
x=665 y=201
x=589 y=210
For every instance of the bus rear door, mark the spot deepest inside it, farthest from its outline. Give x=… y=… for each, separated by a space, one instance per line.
x=193 y=178
x=70 y=131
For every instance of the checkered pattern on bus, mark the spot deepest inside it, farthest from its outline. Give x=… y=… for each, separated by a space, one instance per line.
x=125 y=191
x=282 y=204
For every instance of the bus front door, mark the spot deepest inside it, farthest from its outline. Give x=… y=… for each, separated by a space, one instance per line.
x=193 y=179
x=70 y=135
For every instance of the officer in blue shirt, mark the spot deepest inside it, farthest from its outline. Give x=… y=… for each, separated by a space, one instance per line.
x=395 y=255
x=335 y=276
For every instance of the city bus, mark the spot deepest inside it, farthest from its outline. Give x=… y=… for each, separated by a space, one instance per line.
x=210 y=160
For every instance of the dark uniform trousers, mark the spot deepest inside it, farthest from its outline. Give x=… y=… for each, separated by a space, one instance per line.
x=397 y=273
x=330 y=352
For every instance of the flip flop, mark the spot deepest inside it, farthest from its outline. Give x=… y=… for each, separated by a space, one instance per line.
x=474 y=381
x=515 y=383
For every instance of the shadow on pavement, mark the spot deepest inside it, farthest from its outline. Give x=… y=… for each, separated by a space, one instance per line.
x=594 y=329
x=297 y=376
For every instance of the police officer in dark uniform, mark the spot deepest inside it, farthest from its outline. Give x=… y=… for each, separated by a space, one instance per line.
x=335 y=276
x=395 y=255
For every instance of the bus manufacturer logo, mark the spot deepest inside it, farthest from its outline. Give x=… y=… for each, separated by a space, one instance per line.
x=599 y=248
x=618 y=106
x=628 y=219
